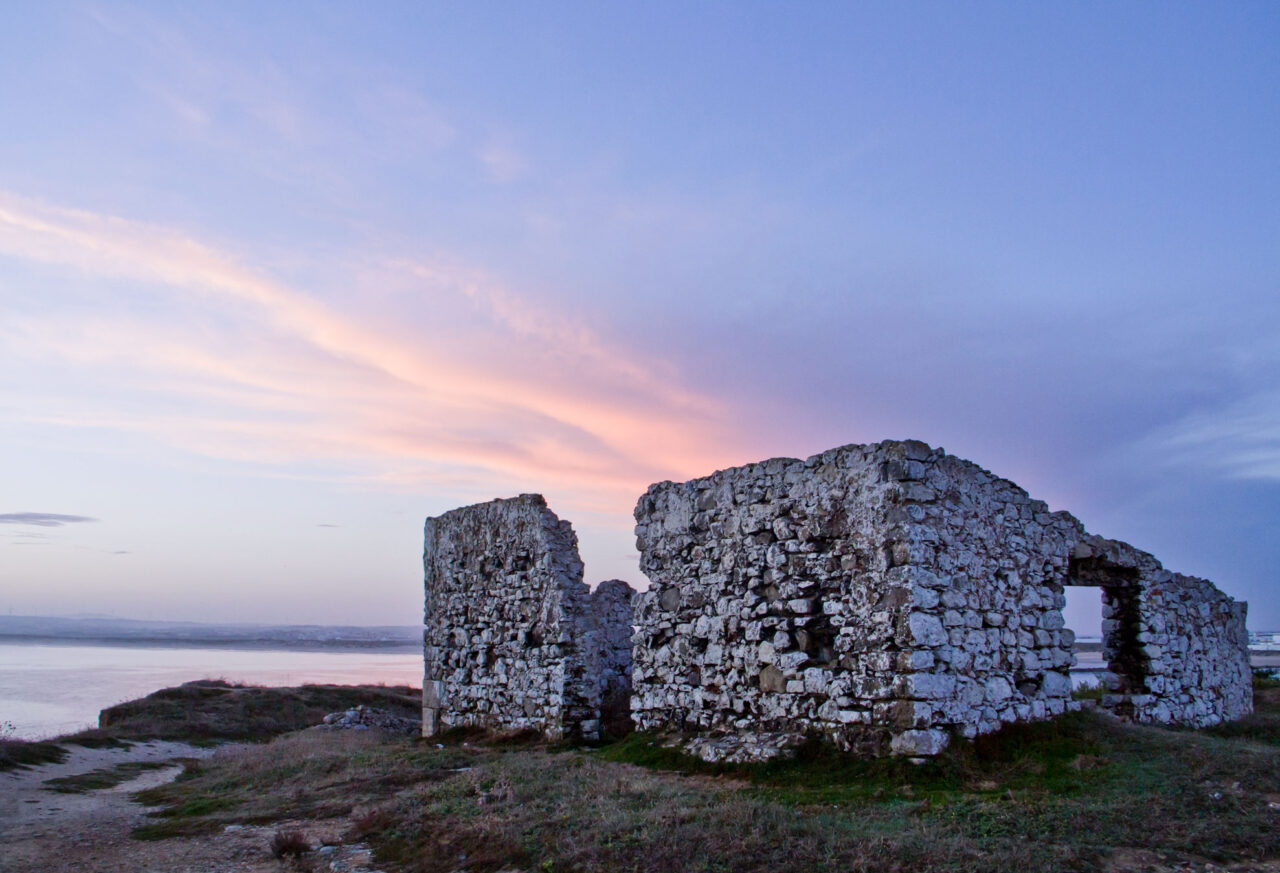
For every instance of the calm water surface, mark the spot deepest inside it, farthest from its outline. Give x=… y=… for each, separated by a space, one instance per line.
x=51 y=689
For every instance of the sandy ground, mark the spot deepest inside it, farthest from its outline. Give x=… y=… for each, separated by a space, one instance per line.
x=42 y=831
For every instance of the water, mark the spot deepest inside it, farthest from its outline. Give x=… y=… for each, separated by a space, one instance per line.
x=48 y=689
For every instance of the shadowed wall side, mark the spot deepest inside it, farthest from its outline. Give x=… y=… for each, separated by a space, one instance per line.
x=512 y=637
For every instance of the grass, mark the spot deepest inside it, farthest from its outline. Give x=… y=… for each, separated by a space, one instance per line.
x=1266 y=678
x=303 y=775
x=108 y=777
x=1066 y=794
x=1089 y=692
x=289 y=843
x=19 y=754
x=211 y=711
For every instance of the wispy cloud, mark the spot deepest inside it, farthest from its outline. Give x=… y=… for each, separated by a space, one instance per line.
x=43 y=519
x=1241 y=440
x=510 y=389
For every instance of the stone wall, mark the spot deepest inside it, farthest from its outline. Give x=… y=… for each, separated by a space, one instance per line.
x=611 y=609
x=1176 y=646
x=513 y=638
x=777 y=604
x=887 y=596
x=890 y=596
x=988 y=643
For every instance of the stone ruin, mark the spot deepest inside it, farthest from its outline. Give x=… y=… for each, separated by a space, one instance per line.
x=885 y=596
x=513 y=638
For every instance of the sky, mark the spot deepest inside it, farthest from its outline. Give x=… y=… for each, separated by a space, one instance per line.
x=278 y=281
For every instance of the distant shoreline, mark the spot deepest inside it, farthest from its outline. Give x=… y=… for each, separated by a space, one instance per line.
x=371 y=646
x=100 y=631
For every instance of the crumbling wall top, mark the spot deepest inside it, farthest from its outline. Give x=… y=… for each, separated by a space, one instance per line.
x=509 y=630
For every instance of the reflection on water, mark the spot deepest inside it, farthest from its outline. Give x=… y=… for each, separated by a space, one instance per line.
x=50 y=689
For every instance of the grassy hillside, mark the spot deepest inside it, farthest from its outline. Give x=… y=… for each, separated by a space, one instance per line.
x=1081 y=793
x=210 y=710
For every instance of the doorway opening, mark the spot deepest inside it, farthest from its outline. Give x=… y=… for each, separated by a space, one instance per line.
x=1123 y=664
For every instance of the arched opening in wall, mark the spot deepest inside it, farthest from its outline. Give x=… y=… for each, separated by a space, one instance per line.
x=1112 y=652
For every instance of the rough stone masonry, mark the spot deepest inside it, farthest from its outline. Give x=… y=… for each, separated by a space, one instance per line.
x=513 y=638
x=889 y=596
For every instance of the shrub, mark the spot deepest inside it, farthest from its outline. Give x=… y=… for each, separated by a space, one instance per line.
x=15 y=754
x=291 y=842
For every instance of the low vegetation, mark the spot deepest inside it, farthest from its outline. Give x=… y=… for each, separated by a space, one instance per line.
x=211 y=711
x=16 y=754
x=1074 y=794
x=107 y=777
x=289 y=843
x=1266 y=678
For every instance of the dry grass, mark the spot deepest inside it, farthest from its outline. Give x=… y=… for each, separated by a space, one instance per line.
x=1041 y=798
x=210 y=711
x=1062 y=795
x=289 y=843
x=107 y=777
x=309 y=775
x=20 y=754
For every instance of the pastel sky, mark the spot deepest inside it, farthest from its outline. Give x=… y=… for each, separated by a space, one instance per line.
x=277 y=281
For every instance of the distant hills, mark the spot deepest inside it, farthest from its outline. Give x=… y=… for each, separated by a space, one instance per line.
x=98 y=629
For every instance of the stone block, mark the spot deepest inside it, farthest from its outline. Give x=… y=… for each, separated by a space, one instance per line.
x=919 y=743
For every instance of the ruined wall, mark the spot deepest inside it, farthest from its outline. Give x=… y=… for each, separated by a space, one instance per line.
x=990 y=564
x=762 y=619
x=889 y=596
x=867 y=593
x=513 y=638
x=1177 y=647
x=612 y=612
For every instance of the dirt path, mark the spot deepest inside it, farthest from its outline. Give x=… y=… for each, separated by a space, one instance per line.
x=42 y=831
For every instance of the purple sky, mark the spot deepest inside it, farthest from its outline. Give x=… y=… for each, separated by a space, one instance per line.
x=276 y=282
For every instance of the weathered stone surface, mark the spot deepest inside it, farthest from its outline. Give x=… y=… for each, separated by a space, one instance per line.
x=611 y=614
x=513 y=638
x=919 y=743
x=890 y=596
x=363 y=718
x=1176 y=646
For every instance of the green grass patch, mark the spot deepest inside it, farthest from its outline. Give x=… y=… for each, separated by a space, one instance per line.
x=108 y=777
x=649 y=750
x=1089 y=692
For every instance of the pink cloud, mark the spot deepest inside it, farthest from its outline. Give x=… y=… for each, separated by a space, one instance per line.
x=546 y=400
